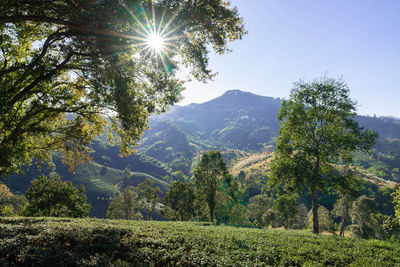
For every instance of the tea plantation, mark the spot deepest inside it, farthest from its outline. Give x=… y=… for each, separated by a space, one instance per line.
x=97 y=242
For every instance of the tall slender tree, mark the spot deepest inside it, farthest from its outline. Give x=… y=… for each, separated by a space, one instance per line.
x=126 y=206
x=318 y=131
x=208 y=176
x=149 y=196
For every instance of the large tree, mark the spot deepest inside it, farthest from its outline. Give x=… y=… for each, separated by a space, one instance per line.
x=318 y=131
x=149 y=196
x=208 y=177
x=180 y=198
x=73 y=69
x=50 y=196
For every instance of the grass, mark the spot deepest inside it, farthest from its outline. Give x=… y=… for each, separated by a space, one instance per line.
x=94 y=242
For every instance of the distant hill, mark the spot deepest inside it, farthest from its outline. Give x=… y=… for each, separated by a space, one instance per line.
x=241 y=124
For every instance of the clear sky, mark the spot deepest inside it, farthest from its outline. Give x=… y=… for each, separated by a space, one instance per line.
x=358 y=40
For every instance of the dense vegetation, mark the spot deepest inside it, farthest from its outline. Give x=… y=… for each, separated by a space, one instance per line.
x=93 y=242
x=79 y=83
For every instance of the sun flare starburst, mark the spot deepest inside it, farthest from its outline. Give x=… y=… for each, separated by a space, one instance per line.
x=156 y=38
x=156 y=42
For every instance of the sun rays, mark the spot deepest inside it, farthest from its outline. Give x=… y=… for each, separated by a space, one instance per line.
x=156 y=42
x=155 y=38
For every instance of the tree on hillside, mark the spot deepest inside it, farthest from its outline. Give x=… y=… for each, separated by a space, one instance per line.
x=318 y=131
x=149 y=196
x=364 y=225
x=286 y=209
x=208 y=176
x=242 y=178
x=126 y=206
x=258 y=206
x=50 y=196
x=70 y=68
x=180 y=198
x=228 y=209
x=348 y=190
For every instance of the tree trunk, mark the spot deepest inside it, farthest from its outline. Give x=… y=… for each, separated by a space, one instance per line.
x=211 y=214
x=345 y=215
x=314 y=209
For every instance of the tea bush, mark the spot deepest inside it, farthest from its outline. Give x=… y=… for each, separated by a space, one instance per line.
x=100 y=242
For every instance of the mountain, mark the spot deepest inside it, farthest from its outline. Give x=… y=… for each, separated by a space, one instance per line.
x=242 y=125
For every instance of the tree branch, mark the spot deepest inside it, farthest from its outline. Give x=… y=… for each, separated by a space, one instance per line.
x=39 y=79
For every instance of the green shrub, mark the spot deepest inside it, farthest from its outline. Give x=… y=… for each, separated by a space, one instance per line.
x=95 y=242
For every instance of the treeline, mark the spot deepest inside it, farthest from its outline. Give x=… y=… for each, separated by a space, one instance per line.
x=212 y=195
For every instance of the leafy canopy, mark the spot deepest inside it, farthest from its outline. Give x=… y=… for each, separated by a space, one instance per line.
x=208 y=177
x=52 y=197
x=126 y=206
x=180 y=198
x=149 y=196
x=318 y=131
x=71 y=70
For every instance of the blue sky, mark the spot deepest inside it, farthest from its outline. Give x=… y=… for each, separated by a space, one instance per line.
x=358 y=40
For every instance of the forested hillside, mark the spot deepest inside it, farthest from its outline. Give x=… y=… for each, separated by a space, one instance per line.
x=242 y=125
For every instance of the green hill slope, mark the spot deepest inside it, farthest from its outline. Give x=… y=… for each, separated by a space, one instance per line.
x=101 y=182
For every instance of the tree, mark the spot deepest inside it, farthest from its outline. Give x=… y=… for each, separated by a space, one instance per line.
x=228 y=208
x=348 y=189
x=125 y=206
x=364 y=225
x=302 y=216
x=325 y=221
x=286 y=207
x=180 y=198
x=242 y=178
x=258 y=206
x=318 y=131
x=208 y=176
x=71 y=70
x=50 y=196
x=149 y=196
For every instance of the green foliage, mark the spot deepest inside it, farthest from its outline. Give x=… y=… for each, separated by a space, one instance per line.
x=50 y=196
x=149 y=196
x=397 y=203
x=258 y=206
x=341 y=210
x=286 y=208
x=180 y=198
x=94 y=242
x=126 y=206
x=389 y=226
x=208 y=177
x=318 y=130
x=325 y=221
x=229 y=210
x=10 y=204
x=364 y=225
x=302 y=217
x=66 y=66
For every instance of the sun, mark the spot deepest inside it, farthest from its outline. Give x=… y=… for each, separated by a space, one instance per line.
x=156 y=42
x=155 y=38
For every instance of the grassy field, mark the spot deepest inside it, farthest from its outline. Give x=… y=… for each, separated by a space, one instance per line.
x=95 y=242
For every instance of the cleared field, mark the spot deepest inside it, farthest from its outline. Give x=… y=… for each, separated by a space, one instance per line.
x=96 y=242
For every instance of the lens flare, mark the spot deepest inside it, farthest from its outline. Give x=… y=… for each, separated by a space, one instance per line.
x=156 y=42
